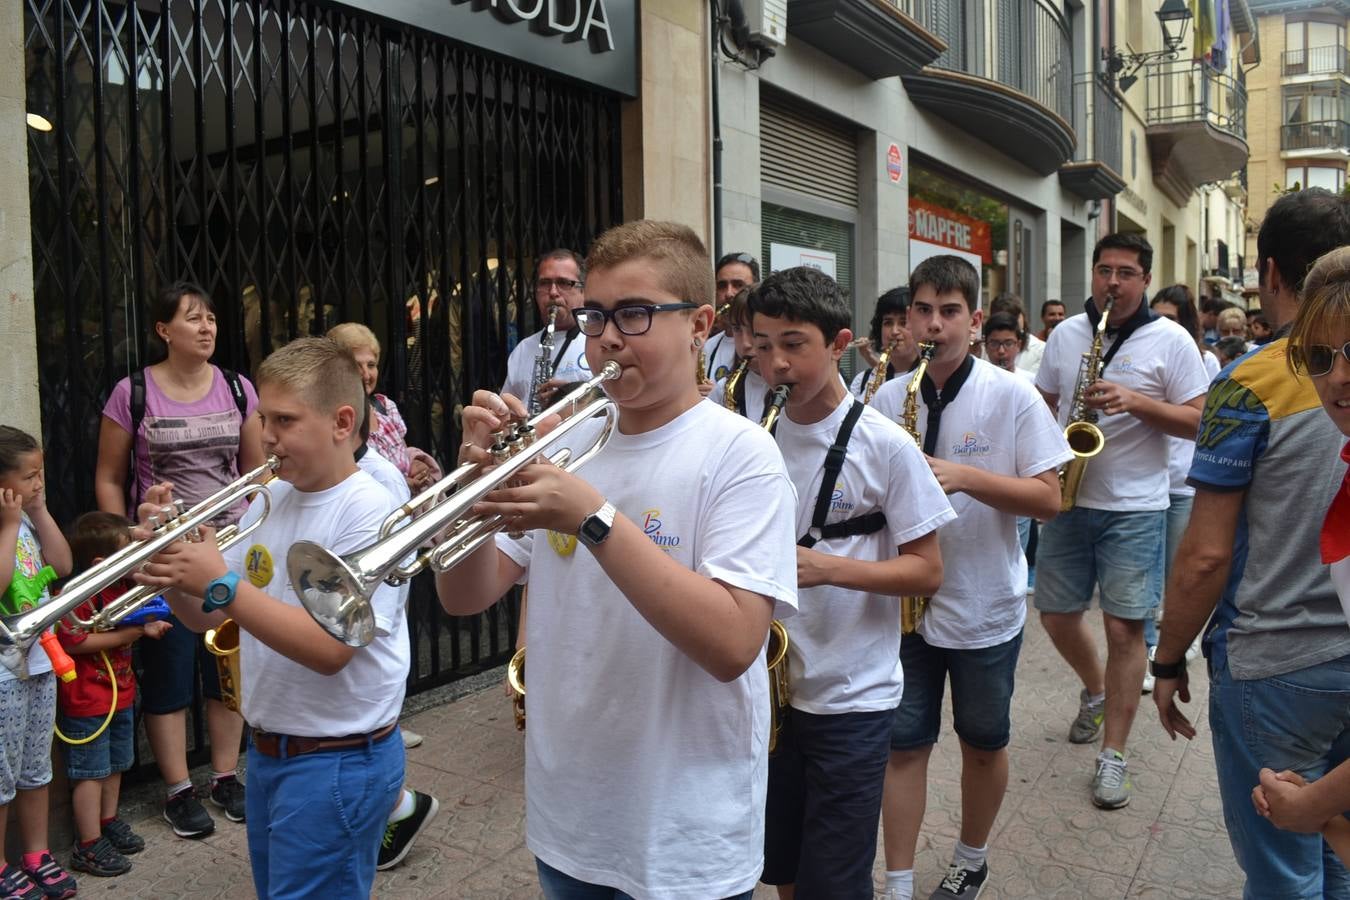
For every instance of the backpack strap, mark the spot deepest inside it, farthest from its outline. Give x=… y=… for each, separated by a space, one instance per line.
x=834 y=464
x=236 y=391
x=137 y=408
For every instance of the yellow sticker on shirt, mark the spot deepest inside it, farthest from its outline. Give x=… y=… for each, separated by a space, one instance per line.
x=562 y=544
x=258 y=565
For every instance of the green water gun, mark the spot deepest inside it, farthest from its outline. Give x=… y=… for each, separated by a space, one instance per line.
x=25 y=591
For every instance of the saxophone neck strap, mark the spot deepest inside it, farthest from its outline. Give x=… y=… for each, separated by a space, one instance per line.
x=567 y=342
x=834 y=464
x=1142 y=316
x=937 y=401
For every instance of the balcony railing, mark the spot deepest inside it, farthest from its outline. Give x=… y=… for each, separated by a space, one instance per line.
x=1097 y=121
x=1329 y=135
x=1024 y=44
x=1328 y=60
x=1184 y=91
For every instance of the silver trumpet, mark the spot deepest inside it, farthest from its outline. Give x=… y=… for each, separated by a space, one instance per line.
x=19 y=631
x=435 y=531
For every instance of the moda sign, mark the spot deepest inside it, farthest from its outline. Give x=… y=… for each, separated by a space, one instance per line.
x=576 y=20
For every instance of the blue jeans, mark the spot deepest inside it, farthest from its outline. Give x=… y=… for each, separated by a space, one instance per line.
x=1178 y=515
x=1298 y=720
x=1120 y=553
x=315 y=821
x=559 y=886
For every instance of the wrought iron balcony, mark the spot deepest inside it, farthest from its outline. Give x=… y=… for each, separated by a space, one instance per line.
x=1330 y=135
x=1005 y=76
x=1328 y=60
x=879 y=38
x=1197 y=125
x=1096 y=172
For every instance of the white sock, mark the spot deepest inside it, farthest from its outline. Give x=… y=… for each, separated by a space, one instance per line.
x=216 y=776
x=1097 y=699
x=180 y=786
x=405 y=807
x=900 y=882
x=969 y=857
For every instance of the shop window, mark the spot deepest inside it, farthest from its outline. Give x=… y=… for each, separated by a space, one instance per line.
x=949 y=216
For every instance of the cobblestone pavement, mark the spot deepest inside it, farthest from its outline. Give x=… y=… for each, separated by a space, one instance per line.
x=1049 y=842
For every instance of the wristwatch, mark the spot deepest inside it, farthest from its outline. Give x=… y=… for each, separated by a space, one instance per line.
x=220 y=593
x=1167 y=670
x=595 y=527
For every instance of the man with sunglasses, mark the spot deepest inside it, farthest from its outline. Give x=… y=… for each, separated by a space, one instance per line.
x=1152 y=385
x=559 y=278
x=1277 y=646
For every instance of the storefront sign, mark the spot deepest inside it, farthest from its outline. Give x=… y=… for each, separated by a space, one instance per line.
x=594 y=41
x=786 y=256
x=932 y=224
x=894 y=164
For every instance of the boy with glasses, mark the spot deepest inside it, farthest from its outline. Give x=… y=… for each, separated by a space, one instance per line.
x=559 y=278
x=654 y=570
x=1152 y=385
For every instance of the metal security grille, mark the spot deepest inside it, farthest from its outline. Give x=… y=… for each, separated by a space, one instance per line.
x=308 y=165
x=806 y=152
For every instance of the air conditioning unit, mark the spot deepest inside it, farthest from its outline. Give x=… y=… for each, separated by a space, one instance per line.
x=767 y=20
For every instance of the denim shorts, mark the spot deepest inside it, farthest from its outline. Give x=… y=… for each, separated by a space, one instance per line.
x=824 y=804
x=1301 y=721
x=112 y=751
x=167 y=670
x=982 y=689
x=1119 y=553
x=561 y=886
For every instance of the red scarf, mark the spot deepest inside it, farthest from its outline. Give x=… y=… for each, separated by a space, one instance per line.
x=1336 y=526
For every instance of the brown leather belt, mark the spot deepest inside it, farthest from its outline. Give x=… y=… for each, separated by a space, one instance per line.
x=271 y=744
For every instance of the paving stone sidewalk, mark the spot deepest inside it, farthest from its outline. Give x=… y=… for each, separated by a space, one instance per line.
x=1049 y=841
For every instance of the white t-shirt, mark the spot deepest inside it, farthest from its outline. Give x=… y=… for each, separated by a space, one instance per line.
x=756 y=392
x=643 y=771
x=721 y=353
x=844 y=654
x=28 y=562
x=571 y=363
x=281 y=695
x=1180 y=451
x=1030 y=358
x=386 y=473
x=1159 y=361
x=998 y=423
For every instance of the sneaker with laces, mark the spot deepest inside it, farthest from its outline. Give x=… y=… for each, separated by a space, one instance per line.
x=228 y=794
x=123 y=839
x=399 y=836
x=1149 y=680
x=16 y=885
x=1088 y=722
x=54 y=881
x=1111 y=785
x=188 y=817
x=99 y=858
x=961 y=883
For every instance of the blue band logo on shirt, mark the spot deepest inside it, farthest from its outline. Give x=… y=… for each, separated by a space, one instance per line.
x=651 y=527
x=721 y=372
x=970 y=445
x=837 y=501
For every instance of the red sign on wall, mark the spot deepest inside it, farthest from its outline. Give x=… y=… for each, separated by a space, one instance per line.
x=894 y=164
x=936 y=225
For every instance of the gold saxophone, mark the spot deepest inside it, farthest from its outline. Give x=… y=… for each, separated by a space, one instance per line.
x=776 y=654
x=223 y=642
x=912 y=608
x=732 y=382
x=879 y=373
x=777 y=400
x=1085 y=438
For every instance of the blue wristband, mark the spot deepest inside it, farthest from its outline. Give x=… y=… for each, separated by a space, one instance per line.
x=220 y=593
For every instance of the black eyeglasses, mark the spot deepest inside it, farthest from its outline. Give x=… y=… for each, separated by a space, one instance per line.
x=630 y=320
x=544 y=285
x=1318 y=359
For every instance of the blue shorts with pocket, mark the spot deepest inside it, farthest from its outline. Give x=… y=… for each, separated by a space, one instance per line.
x=112 y=751
x=1119 y=553
x=982 y=689
x=168 y=670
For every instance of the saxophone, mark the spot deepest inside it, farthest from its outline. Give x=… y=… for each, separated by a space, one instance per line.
x=879 y=373
x=778 y=398
x=912 y=608
x=543 y=363
x=733 y=381
x=776 y=654
x=1085 y=438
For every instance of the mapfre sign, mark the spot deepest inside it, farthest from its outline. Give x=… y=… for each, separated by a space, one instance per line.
x=594 y=41
x=933 y=224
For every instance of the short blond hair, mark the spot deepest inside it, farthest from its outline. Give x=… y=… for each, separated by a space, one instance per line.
x=683 y=264
x=1231 y=314
x=1324 y=310
x=318 y=369
x=355 y=336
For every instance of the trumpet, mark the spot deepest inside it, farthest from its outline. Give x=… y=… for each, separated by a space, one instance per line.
x=19 y=631
x=337 y=590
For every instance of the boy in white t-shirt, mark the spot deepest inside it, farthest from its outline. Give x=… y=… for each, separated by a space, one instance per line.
x=995 y=449
x=321 y=712
x=751 y=391
x=654 y=571
x=890 y=321
x=868 y=510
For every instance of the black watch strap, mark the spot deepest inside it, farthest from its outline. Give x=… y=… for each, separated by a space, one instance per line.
x=1167 y=670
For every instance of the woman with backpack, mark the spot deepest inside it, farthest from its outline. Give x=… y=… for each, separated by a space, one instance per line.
x=184 y=421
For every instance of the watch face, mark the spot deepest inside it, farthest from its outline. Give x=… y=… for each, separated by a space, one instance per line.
x=220 y=592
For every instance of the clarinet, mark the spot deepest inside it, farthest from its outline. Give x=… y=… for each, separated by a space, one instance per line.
x=543 y=363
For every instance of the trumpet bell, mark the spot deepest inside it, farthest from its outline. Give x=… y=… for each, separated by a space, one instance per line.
x=332 y=592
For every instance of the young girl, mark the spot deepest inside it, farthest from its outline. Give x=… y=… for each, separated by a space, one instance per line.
x=33 y=553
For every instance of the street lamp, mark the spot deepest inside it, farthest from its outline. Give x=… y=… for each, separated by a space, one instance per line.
x=1173 y=16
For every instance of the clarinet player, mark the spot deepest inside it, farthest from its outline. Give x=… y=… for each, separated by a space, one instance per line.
x=1150 y=384
x=559 y=276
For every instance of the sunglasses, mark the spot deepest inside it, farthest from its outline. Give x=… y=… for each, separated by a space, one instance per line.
x=1318 y=359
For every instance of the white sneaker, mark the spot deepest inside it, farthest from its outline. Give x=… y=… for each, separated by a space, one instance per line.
x=1148 y=672
x=411 y=739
